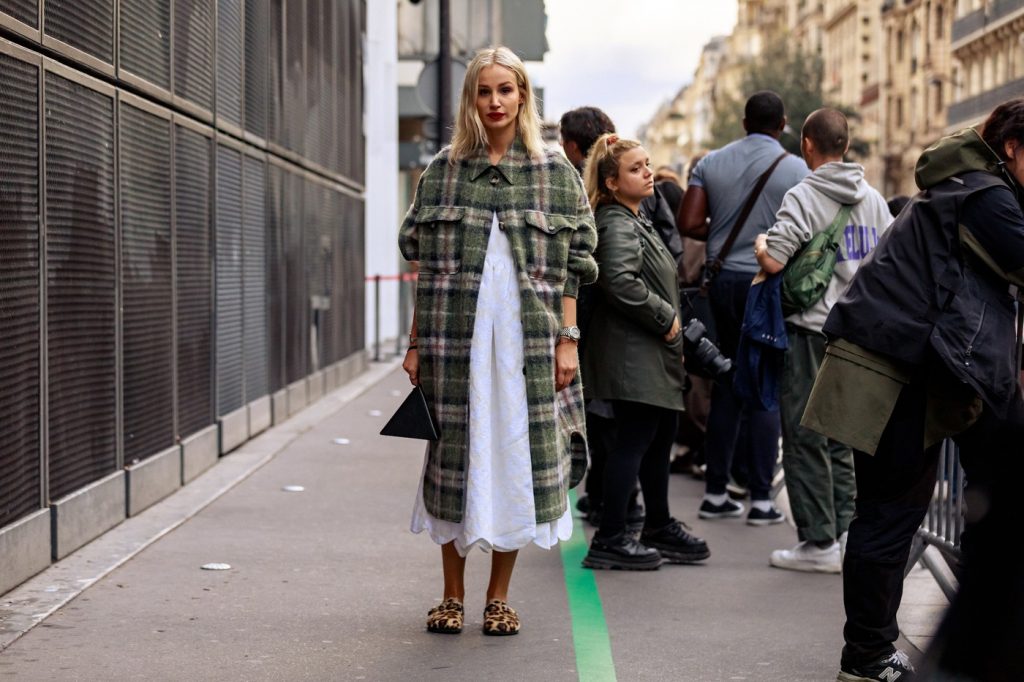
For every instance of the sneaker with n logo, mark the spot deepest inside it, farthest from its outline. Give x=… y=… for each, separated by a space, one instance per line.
x=895 y=667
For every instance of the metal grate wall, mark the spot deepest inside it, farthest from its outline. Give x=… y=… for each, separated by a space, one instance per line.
x=25 y=11
x=254 y=292
x=192 y=159
x=145 y=49
x=229 y=61
x=193 y=51
x=180 y=222
x=86 y=26
x=146 y=283
x=20 y=474
x=228 y=232
x=81 y=284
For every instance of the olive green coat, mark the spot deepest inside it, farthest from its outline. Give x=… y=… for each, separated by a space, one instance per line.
x=627 y=356
x=543 y=210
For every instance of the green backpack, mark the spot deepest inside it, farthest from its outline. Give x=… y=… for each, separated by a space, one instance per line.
x=808 y=272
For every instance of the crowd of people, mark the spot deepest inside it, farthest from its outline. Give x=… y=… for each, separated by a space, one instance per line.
x=581 y=306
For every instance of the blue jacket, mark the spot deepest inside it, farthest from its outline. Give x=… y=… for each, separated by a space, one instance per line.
x=763 y=342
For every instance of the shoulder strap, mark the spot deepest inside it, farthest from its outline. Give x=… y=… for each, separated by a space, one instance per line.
x=839 y=222
x=716 y=265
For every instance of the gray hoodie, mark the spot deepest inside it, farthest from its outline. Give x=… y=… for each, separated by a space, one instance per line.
x=809 y=208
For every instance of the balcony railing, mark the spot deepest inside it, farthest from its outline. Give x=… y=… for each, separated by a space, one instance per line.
x=979 y=106
x=978 y=19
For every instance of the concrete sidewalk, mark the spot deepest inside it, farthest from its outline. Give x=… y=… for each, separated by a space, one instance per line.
x=328 y=584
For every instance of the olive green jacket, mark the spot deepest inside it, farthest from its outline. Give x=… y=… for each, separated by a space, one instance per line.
x=627 y=356
x=543 y=210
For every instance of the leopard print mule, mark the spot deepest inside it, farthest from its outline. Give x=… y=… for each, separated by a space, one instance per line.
x=446 y=618
x=500 y=619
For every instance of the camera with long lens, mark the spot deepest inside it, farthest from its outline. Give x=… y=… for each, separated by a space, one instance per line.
x=697 y=346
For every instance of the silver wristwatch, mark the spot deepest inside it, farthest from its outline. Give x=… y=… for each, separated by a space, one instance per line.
x=572 y=333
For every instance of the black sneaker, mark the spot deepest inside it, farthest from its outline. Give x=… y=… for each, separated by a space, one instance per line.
x=726 y=510
x=622 y=552
x=675 y=544
x=893 y=668
x=757 y=517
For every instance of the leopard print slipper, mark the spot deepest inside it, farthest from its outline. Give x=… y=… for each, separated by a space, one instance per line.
x=500 y=619
x=446 y=617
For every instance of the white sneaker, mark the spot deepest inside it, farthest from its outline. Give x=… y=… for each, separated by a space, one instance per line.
x=808 y=557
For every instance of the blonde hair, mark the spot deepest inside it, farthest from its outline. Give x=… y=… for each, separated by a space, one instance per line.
x=603 y=163
x=470 y=135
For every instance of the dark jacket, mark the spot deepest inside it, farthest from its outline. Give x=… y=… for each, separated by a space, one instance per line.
x=658 y=209
x=627 y=356
x=938 y=278
x=763 y=342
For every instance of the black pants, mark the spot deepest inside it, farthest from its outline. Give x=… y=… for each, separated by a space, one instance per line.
x=600 y=435
x=985 y=625
x=736 y=430
x=643 y=444
x=982 y=635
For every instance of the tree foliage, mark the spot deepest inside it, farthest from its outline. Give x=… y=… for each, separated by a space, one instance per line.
x=796 y=77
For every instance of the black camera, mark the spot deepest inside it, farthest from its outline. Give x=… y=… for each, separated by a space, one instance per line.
x=698 y=347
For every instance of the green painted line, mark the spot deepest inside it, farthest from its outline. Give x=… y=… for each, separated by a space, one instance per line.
x=589 y=631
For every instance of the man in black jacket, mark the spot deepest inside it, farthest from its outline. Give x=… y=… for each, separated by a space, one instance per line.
x=923 y=347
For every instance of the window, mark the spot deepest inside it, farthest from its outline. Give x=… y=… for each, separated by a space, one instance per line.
x=940 y=18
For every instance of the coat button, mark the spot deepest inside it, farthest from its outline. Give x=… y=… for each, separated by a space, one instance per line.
x=494 y=179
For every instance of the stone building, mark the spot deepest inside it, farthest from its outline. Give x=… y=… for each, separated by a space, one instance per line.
x=987 y=59
x=916 y=85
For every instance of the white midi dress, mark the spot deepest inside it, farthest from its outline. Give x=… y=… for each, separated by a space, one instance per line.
x=499 y=512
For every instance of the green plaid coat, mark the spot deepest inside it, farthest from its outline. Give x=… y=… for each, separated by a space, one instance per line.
x=543 y=209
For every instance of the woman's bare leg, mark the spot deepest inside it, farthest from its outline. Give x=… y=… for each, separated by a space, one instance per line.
x=502 y=564
x=454 y=572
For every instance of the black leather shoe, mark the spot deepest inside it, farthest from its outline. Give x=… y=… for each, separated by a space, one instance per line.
x=623 y=552
x=676 y=545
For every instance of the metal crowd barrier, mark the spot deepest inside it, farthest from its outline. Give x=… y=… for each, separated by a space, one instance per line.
x=406 y=282
x=937 y=542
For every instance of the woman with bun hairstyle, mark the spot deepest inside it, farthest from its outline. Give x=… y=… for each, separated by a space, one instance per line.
x=634 y=360
x=503 y=235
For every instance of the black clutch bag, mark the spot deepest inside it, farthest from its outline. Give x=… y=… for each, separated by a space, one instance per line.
x=412 y=419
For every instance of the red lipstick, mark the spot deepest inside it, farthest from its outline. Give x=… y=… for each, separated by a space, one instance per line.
x=495 y=115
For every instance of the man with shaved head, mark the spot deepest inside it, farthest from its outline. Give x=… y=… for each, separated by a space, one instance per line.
x=819 y=472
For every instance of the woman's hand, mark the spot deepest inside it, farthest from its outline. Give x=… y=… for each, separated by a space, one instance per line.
x=411 y=365
x=674 y=330
x=567 y=362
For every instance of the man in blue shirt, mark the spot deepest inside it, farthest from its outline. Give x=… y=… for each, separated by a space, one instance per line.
x=720 y=185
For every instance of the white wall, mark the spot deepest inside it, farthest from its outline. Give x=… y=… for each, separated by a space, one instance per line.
x=381 y=126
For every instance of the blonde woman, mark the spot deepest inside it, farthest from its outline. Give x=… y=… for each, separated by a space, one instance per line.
x=503 y=234
x=634 y=359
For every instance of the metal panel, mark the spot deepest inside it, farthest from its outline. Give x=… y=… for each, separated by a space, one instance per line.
x=193 y=51
x=257 y=58
x=275 y=81
x=229 y=60
x=314 y=252
x=316 y=96
x=255 y=279
x=81 y=284
x=297 y=307
x=20 y=463
x=26 y=11
x=228 y=239
x=146 y=276
x=86 y=26
x=276 y=274
x=328 y=151
x=294 y=75
x=356 y=310
x=145 y=34
x=194 y=280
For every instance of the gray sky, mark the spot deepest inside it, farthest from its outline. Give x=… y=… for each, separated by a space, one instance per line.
x=624 y=56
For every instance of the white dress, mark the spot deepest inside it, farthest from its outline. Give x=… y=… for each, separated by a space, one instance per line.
x=499 y=512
